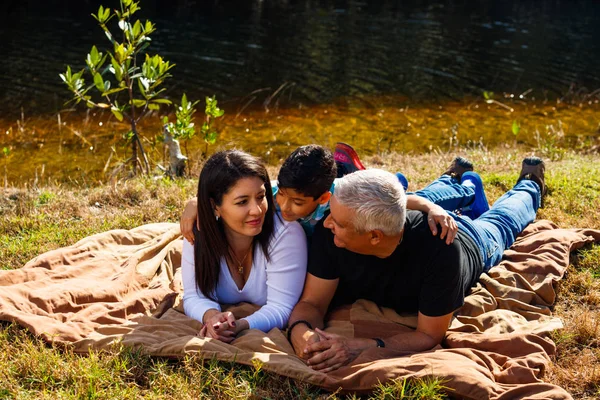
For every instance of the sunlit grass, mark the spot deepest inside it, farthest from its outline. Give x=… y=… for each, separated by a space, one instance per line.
x=36 y=220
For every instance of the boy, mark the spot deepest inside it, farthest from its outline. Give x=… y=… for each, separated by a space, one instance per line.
x=306 y=182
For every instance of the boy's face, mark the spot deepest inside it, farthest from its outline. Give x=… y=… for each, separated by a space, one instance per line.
x=295 y=205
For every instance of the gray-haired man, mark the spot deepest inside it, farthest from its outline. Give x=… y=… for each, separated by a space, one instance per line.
x=371 y=247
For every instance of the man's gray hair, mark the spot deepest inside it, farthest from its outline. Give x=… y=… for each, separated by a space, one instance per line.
x=377 y=198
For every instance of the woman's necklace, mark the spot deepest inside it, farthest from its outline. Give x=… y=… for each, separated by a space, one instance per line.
x=240 y=266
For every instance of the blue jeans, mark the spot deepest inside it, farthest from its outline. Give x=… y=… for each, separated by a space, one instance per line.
x=496 y=229
x=448 y=193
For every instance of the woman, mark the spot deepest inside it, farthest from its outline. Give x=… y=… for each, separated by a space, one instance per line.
x=242 y=252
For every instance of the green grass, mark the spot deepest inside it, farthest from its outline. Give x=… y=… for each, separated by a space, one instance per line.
x=35 y=221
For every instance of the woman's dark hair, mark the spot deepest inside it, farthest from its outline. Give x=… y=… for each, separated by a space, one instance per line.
x=219 y=174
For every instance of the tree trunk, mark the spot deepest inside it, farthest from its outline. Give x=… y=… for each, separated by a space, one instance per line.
x=135 y=144
x=176 y=159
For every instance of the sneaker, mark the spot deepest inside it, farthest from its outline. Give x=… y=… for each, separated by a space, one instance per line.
x=480 y=202
x=346 y=159
x=459 y=166
x=533 y=169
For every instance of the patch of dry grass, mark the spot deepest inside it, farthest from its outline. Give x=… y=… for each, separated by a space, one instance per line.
x=36 y=220
x=577 y=361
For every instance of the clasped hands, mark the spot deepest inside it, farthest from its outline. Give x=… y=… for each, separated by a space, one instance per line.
x=327 y=352
x=222 y=326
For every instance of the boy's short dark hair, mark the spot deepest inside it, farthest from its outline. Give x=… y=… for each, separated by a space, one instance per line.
x=309 y=170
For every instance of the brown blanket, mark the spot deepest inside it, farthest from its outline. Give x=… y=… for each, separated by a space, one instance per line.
x=125 y=285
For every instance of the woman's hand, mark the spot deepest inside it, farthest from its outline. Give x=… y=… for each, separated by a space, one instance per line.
x=222 y=326
x=188 y=219
x=437 y=215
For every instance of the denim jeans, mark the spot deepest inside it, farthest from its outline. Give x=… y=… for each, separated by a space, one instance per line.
x=448 y=193
x=496 y=229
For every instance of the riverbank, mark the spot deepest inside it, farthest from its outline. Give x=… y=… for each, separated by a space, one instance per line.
x=84 y=148
x=48 y=215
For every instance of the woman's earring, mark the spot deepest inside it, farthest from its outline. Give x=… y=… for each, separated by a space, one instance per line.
x=217 y=218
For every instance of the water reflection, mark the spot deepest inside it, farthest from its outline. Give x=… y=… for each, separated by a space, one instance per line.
x=324 y=50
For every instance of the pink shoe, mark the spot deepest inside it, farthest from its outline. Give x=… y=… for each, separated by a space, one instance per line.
x=346 y=159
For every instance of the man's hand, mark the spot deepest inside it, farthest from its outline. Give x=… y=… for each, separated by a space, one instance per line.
x=437 y=215
x=334 y=351
x=188 y=219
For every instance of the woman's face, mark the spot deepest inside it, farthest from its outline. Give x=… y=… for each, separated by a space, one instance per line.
x=243 y=207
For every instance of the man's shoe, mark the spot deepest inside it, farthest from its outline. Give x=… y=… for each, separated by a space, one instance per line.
x=533 y=169
x=459 y=166
x=346 y=159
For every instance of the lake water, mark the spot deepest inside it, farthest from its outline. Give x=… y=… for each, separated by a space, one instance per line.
x=321 y=50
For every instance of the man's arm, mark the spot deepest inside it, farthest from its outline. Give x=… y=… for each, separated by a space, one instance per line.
x=312 y=307
x=335 y=351
x=435 y=215
x=429 y=333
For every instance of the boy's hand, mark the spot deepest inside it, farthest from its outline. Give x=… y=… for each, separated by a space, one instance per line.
x=188 y=219
x=437 y=215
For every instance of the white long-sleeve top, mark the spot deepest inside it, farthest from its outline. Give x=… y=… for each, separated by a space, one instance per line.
x=274 y=285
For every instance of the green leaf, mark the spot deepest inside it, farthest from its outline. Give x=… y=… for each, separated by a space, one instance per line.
x=139 y=102
x=99 y=82
x=100 y=17
x=113 y=91
x=94 y=55
x=116 y=69
x=162 y=101
x=211 y=138
x=120 y=53
x=142 y=87
x=137 y=28
x=106 y=14
x=516 y=127
x=488 y=95
x=67 y=76
x=117 y=113
x=128 y=136
x=133 y=8
x=153 y=106
x=184 y=101
x=6 y=151
x=103 y=105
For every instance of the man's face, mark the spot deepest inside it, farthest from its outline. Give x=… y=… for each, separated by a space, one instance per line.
x=339 y=221
x=295 y=205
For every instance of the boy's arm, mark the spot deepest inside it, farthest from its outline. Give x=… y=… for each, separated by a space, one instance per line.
x=436 y=215
x=188 y=219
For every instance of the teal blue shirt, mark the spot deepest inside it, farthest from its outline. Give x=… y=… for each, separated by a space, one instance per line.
x=308 y=223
